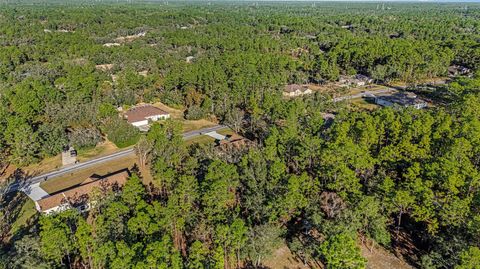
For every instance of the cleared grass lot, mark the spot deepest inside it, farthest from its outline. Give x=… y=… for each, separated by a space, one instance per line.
x=362 y=103
x=226 y=131
x=201 y=139
x=77 y=177
x=27 y=211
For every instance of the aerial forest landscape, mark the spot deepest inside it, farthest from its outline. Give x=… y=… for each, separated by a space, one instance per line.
x=239 y=134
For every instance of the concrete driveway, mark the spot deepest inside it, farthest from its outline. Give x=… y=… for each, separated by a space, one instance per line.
x=35 y=192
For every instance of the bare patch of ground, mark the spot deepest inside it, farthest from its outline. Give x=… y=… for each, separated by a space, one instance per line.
x=190 y=125
x=104 y=67
x=283 y=258
x=7 y=172
x=380 y=258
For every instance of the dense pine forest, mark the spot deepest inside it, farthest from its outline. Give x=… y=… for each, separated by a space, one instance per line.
x=400 y=179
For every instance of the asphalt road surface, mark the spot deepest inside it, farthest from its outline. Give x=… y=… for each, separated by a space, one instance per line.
x=69 y=169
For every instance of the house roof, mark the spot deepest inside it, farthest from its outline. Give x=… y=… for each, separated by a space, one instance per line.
x=143 y=112
x=295 y=87
x=81 y=191
x=404 y=99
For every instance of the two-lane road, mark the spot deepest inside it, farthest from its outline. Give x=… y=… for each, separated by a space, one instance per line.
x=20 y=184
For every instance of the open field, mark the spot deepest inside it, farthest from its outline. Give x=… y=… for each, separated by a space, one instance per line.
x=226 y=131
x=68 y=180
x=201 y=139
x=432 y=81
x=101 y=149
x=362 y=103
x=187 y=125
x=190 y=125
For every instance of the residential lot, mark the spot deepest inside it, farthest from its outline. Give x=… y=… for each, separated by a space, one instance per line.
x=63 y=182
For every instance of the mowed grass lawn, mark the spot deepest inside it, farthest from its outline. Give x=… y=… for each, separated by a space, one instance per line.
x=201 y=139
x=66 y=181
x=27 y=211
x=362 y=103
x=226 y=131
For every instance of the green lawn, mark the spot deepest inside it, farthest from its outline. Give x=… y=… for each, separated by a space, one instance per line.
x=27 y=211
x=362 y=103
x=201 y=139
x=226 y=131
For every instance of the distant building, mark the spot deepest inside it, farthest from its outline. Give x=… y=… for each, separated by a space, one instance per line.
x=78 y=195
x=294 y=90
x=357 y=80
x=111 y=45
x=456 y=70
x=400 y=99
x=144 y=114
x=104 y=67
x=189 y=59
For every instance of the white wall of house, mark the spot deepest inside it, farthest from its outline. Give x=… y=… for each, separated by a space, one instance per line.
x=149 y=119
x=159 y=117
x=297 y=93
x=420 y=105
x=57 y=209
x=140 y=123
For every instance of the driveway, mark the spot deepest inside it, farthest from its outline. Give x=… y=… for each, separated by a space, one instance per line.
x=35 y=192
x=216 y=135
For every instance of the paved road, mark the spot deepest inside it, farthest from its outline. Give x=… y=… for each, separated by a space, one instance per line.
x=363 y=94
x=69 y=169
x=203 y=131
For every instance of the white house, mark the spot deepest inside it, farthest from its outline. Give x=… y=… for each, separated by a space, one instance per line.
x=294 y=90
x=142 y=115
x=355 y=81
x=400 y=99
